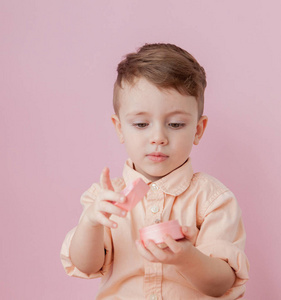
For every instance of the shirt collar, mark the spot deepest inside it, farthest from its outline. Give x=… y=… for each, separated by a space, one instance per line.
x=175 y=183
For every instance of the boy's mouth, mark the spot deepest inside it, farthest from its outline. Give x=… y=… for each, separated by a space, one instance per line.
x=157 y=156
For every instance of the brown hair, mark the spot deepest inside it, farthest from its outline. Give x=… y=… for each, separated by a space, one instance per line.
x=166 y=66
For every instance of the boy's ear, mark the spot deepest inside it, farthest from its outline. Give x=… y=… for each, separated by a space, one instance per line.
x=201 y=126
x=117 y=124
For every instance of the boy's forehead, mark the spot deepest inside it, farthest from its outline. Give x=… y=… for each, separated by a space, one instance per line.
x=132 y=90
x=143 y=95
x=135 y=83
x=141 y=85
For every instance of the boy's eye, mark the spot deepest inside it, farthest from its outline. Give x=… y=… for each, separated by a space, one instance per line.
x=176 y=125
x=140 y=125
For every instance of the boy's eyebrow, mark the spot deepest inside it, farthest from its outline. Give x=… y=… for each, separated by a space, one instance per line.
x=136 y=113
x=179 y=112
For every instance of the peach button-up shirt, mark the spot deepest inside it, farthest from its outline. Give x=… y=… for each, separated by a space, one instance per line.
x=198 y=201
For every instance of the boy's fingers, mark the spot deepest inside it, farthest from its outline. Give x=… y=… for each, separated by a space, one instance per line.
x=173 y=245
x=109 y=208
x=186 y=232
x=105 y=180
x=157 y=252
x=144 y=252
x=103 y=220
x=111 y=196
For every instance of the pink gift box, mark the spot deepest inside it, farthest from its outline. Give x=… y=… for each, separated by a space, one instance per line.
x=156 y=232
x=134 y=193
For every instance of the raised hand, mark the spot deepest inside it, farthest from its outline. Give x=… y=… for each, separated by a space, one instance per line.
x=100 y=211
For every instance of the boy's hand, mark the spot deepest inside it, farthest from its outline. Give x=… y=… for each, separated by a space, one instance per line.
x=100 y=211
x=176 y=252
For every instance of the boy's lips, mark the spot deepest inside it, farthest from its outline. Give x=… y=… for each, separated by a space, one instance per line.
x=157 y=156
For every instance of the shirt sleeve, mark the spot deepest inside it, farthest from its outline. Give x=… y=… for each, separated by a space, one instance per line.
x=86 y=200
x=222 y=234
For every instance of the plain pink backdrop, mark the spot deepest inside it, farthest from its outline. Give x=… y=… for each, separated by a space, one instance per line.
x=58 y=61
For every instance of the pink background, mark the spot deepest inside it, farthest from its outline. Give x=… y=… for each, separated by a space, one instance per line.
x=58 y=61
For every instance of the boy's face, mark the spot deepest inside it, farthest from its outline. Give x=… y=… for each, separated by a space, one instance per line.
x=158 y=127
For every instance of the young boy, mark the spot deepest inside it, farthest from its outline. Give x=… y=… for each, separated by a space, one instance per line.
x=158 y=102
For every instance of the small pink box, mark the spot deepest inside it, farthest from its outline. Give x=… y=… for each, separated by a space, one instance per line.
x=134 y=192
x=156 y=232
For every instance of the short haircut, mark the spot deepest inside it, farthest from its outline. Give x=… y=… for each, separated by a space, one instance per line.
x=167 y=66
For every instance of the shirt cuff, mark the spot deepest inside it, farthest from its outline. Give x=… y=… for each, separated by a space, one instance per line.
x=230 y=253
x=72 y=270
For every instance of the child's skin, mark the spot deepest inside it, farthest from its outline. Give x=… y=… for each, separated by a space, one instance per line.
x=158 y=128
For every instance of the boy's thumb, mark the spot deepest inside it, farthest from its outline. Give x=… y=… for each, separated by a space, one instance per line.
x=184 y=230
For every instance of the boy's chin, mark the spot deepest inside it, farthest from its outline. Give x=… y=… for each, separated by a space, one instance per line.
x=154 y=176
x=155 y=172
x=159 y=175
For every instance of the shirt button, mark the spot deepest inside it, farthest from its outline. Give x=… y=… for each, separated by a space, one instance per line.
x=154 y=186
x=154 y=209
x=153 y=297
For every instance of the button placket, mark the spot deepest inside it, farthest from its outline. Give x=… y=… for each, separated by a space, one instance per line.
x=154 y=209
x=154 y=186
x=155 y=202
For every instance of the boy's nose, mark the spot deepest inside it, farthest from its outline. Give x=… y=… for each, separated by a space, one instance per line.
x=159 y=138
